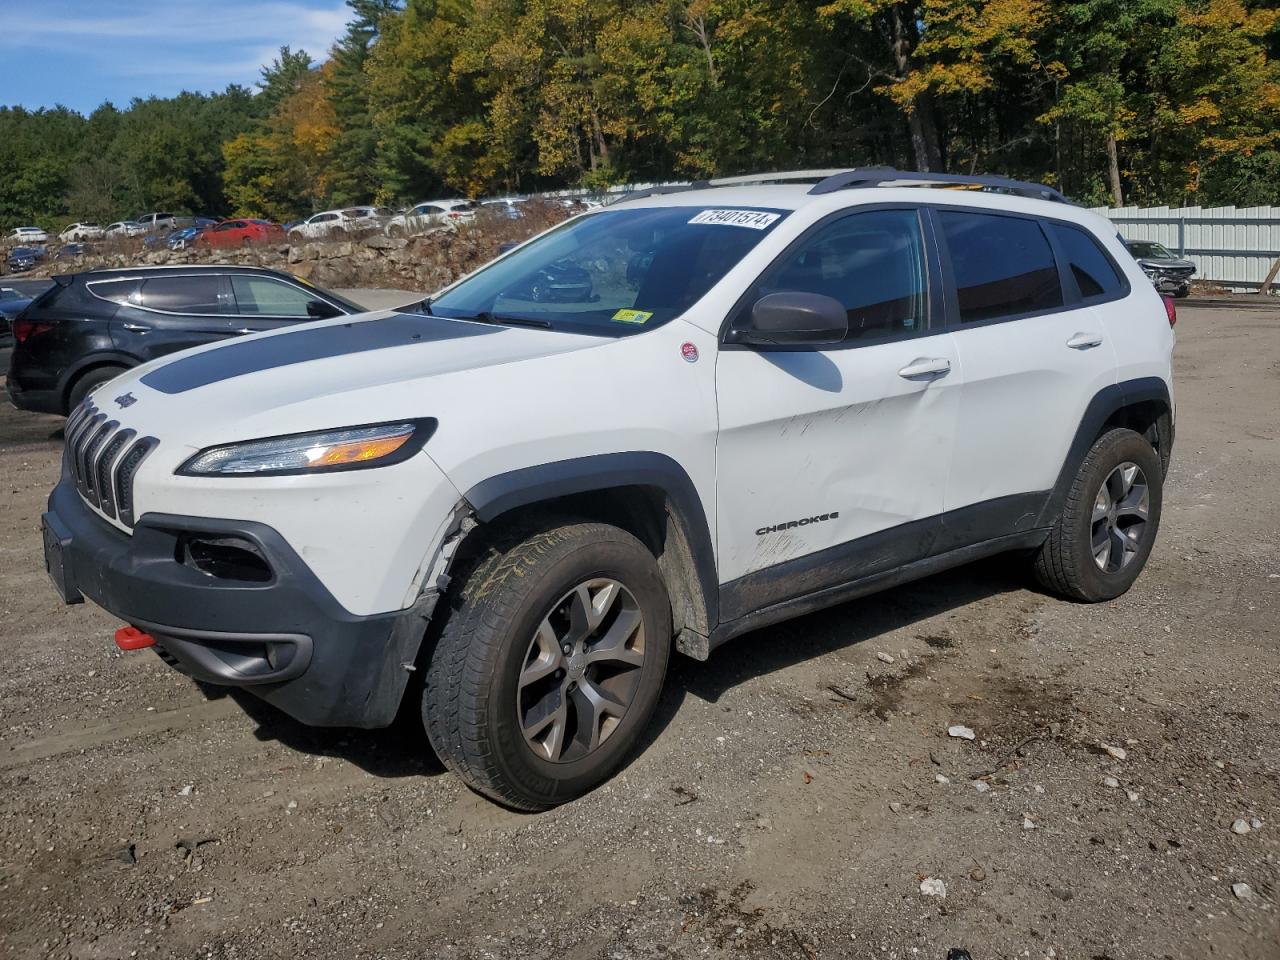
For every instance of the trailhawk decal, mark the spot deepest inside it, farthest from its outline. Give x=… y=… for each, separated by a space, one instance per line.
x=803 y=522
x=238 y=358
x=751 y=219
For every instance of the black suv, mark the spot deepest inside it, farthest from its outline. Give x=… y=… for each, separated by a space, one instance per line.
x=88 y=328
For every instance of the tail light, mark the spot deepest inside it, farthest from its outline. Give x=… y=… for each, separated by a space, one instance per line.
x=1170 y=310
x=22 y=329
x=455 y=216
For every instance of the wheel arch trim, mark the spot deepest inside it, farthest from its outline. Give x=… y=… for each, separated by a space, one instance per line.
x=547 y=482
x=1104 y=405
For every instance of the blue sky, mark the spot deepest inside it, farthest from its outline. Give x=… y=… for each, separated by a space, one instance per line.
x=79 y=53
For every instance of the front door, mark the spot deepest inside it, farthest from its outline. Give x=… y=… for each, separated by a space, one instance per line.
x=832 y=461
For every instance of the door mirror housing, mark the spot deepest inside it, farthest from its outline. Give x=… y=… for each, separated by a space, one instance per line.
x=319 y=310
x=792 y=318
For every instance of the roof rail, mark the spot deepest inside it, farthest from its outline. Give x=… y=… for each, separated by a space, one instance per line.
x=783 y=176
x=667 y=188
x=887 y=176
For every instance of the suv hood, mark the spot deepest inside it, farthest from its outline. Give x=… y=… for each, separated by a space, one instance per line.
x=349 y=370
x=1156 y=263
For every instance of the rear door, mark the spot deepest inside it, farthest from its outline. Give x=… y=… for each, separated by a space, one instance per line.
x=1033 y=354
x=832 y=461
x=159 y=315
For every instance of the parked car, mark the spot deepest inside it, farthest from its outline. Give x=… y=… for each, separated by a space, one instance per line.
x=323 y=225
x=1168 y=272
x=184 y=237
x=122 y=229
x=155 y=222
x=509 y=207
x=431 y=213
x=81 y=231
x=12 y=303
x=90 y=327
x=69 y=250
x=27 y=235
x=22 y=259
x=814 y=391
x=241 y=233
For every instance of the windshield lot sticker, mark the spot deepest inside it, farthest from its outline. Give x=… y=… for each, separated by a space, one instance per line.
x=751 y=219
x=632 y=316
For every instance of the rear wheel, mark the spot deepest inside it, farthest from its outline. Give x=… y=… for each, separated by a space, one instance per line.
x=89 y=382
x=549 y=664
x=1108 y=525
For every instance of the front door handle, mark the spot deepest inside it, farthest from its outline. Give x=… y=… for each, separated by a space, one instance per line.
x=1085 y=341
x=136 y=327
x=245 y=330
x=925 y=368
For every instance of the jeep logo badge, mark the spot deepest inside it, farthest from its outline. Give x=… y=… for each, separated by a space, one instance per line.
x=126 y=400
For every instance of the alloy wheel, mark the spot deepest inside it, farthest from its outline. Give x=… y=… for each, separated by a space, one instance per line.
x=581 y=671
x=1119 y=518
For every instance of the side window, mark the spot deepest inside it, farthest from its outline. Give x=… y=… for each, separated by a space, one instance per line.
x=264 y=297
x=1003 y=265
x=873 y=263
x=117 y=291
x=1095 y=275
x=192 y=295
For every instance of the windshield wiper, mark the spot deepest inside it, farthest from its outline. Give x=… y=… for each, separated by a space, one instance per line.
x=485 y=316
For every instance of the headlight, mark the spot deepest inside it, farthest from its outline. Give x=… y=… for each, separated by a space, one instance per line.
x=348 y=448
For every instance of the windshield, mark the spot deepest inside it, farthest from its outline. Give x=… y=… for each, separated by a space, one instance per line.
x=612 y=273
x=1150 y=250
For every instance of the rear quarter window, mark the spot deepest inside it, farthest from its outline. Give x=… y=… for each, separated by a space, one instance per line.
x=1094 y=272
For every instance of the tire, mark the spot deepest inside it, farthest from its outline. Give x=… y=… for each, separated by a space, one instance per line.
x=514 y=599
x=1118 y=518
x=89 y=382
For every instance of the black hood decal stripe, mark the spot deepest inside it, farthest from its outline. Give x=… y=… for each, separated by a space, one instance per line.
x=239 y=358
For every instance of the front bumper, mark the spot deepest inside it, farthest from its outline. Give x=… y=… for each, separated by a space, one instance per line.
x=281 y=636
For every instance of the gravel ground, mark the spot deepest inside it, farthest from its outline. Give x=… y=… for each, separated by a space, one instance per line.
x=794 y=795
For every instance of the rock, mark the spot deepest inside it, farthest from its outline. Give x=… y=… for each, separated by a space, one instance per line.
x=1028 y=823
x=1116 y=753
x=960 y=732
x=884 y=657
x=981 y=786
x=187 y=790
x=1241 y=827
x=941 y=779
x=1255 y=823
x=1133 y=796
x=896 y=807
x=1242 y=891
x=1111 y=782
x=1062 y=893
x=977 y=874
x=933 y=887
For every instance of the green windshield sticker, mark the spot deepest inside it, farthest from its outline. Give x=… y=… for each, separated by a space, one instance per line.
x=632 y=316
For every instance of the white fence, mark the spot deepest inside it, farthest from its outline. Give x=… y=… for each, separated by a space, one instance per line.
x=1233 y=246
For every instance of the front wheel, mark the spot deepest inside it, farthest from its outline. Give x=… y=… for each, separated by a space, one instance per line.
x=1109 y=521
x=549 y=664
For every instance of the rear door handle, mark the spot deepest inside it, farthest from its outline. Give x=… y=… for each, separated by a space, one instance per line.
x=925 y=368
x=136 y=327
x=1084 y=341
x=245 y=330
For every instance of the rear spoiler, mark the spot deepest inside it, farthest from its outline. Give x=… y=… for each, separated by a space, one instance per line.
x=64 y=279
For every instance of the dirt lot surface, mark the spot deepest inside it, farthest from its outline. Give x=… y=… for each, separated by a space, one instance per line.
x=795 y=793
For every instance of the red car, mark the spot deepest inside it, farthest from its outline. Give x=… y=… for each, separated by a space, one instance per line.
x=241 y=233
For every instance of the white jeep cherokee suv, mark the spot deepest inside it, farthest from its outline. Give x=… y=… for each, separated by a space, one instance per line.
x=747 y=400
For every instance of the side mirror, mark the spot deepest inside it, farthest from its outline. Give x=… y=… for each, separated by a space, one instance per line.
x=319 y=310
x=792 y=318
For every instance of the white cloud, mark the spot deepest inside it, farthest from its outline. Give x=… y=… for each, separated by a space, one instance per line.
x=194 y=43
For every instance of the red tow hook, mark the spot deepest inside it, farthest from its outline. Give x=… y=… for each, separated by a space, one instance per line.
x=131 y=638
